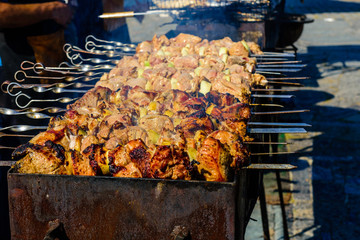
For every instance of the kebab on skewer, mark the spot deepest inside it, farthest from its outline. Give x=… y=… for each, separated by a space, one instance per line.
x=124 y=128
x=189 y=64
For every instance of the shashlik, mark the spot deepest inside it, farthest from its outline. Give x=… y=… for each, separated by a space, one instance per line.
x=180 y=114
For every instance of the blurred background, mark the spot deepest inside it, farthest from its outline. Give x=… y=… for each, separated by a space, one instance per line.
x=321 y=197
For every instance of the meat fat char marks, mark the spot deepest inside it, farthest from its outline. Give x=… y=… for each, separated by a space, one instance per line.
x=130 y=160
x=91 y=100
x=42 y=159
x=168 y=124
x=240 y=154
x=214 y=160
x=169 y=162
x=175 y=110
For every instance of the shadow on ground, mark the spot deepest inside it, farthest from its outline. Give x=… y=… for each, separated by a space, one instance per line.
x=336 y=146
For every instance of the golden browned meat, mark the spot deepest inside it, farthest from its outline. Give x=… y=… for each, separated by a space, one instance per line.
x=177 y=109
x=79 y=165
x=236 y=148
x=238 y=49
x=254 y=48
x=214 y=160
x=131 y=160
x=169 y=163
x=46 y=159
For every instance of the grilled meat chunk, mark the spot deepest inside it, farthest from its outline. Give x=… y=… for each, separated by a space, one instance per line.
x=131 y=160
x=169 y=163
x=237 y=150
x=177 y=109
x=43 y=159
x=214 y=160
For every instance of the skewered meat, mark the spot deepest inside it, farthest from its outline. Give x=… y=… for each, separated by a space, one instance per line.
x=177 y=109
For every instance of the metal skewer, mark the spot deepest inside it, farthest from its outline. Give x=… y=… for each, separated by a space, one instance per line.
x=266 y=105
x=21 y=76
x=267 y=65
x=109 y=45
x=271 y=96
x=280 y=112
x=287 y=78
x=273 y=153
x=30 y=101
x=273 y=90
x=40 y=88
x=263 y=166
x=284 y=83
x=265 y=59
x=277 y=70
x=276 y=130
x=23 y=128
x=282 y=62
x=4 y=163
x=132 y=13
x=72 y=52
x=8 y=111
x=70 y=69
x=37 y=115
x=266 y=143
x=269 y=73
x=15 y=135
x=273 y=54
x=277 y=124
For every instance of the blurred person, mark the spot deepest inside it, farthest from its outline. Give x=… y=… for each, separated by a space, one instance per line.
x=34 y=31
x=115 y=29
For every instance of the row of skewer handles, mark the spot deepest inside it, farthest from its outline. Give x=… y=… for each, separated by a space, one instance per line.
x=68 y=81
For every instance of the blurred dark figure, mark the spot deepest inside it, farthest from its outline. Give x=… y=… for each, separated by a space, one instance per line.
x=87 y=21
x=34 y=31
x=115 y=29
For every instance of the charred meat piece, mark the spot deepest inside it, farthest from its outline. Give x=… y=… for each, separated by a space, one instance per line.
x=92 y=98
x=43 y=159
x=191 y=125
x=131 y=160
x=95 y=156
x=78 y=165
x=241 y=92
x=220 y=99
x=214 y=160
x=160 y=41
x=238 y=151
x=254 y=48
x=169 y=163
x=53 y=134
x=182 y=39
x=121 y=164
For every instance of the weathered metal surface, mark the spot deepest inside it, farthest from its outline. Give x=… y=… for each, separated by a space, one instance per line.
x=122 y=208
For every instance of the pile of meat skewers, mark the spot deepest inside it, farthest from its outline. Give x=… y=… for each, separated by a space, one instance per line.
x=177 y=109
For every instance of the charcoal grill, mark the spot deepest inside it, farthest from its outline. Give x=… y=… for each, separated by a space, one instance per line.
x=93 y=207
x=122 y=208
x=112 y=208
